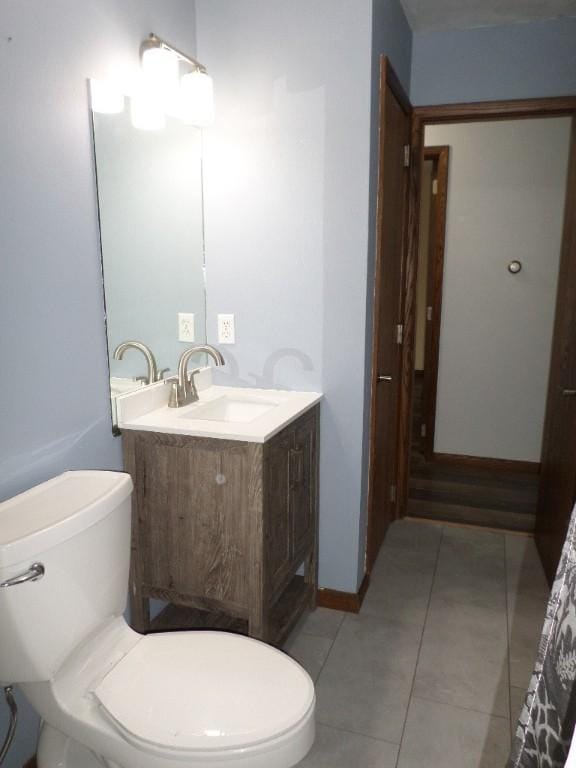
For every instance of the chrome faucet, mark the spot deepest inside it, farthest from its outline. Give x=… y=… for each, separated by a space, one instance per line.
x=153 y=374
x=184 y=389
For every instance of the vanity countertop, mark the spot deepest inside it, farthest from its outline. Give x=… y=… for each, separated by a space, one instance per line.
x=228 y=413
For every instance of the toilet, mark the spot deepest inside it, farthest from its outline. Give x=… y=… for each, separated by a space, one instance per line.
x=108 y=696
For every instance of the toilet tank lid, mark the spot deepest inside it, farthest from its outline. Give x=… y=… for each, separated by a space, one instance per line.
x=49 y=513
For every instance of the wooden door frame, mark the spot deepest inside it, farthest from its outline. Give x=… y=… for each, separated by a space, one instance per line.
x=387 y=78
x=548 y=550
x=439 y=155
x=563 y=106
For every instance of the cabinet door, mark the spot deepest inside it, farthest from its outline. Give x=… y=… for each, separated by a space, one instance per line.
x=193 y=518
x=277 y=505
x=303 y=484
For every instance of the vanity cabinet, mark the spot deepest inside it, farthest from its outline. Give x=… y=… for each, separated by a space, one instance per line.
x=226 y=527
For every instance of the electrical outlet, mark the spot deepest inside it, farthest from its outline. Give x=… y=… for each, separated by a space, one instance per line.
x=226 y=334
x=185 y=326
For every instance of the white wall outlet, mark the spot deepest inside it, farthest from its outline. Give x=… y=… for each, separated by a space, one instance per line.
x=226 y=333
x=185 y=326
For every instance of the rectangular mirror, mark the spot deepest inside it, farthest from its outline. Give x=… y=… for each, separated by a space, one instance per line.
x=151 y=230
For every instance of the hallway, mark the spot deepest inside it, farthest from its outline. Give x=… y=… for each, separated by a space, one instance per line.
x=433 y=670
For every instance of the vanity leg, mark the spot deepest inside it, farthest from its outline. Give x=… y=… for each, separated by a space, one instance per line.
x=311 y=575
x=139 y=610
x=311 y=564
x=258 y=623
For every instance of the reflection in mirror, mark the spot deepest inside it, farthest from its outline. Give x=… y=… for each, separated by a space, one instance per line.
x=151 y=229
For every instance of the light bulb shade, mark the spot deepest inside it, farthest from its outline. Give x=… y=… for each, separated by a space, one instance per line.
x=197 y=94
x=160 y=68
x=146 y=114
x=105 y=98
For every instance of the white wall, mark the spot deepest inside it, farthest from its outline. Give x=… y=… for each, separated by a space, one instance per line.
x=54 y=403
x=505 y=201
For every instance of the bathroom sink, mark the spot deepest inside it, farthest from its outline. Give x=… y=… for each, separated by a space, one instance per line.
x=228 y=413
x=230 y=409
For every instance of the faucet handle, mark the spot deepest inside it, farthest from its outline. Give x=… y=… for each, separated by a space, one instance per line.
x=174 y=399
x=192 y=391
x=161 y=374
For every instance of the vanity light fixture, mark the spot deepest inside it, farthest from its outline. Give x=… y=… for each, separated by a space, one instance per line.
x=160 y=90
x=192 y=98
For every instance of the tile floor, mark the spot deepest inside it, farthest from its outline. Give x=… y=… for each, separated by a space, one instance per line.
x=433 y=670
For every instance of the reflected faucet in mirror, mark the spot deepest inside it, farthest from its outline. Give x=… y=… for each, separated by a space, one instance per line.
x=153 y=373
x=184 y=389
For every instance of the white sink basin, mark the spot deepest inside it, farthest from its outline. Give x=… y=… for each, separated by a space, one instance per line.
x=232 y=410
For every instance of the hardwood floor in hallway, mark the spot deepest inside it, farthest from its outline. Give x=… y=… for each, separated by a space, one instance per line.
x=472 y=496
x=460 y=493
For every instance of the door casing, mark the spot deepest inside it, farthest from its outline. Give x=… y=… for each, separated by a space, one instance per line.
x=381 y=507
x=439 y=155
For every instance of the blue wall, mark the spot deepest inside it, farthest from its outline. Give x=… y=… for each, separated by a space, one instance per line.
x=515 y=61
x=287 y=187
x=54 y=406
x=286 y=192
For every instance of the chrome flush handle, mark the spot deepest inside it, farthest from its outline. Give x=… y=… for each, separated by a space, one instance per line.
x=35 y=572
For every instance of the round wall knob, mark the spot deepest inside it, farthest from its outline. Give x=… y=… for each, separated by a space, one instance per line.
x=514 y=267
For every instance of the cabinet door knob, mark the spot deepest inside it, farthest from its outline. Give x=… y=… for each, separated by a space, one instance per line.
x=381 y=377
x=569 y=393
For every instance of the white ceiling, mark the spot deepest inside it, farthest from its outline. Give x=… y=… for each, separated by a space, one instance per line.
x=448 y=14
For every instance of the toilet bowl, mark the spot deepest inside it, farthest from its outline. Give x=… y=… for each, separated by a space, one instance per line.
x=107 y=695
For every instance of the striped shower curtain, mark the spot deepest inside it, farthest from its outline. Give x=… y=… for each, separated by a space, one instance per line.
x=546 y=724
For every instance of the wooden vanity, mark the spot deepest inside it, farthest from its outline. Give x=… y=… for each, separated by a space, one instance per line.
x=226 y=527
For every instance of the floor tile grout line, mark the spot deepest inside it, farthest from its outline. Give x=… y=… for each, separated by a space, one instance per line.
x=329 y=651
x=420 y=643
x=358 y=733
x=459 y=706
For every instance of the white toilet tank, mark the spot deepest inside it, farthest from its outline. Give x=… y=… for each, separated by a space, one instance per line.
x=77 y=527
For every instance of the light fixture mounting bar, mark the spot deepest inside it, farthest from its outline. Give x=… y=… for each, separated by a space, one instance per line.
x=153 y=41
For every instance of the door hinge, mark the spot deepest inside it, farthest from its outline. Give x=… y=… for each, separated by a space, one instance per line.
x=399 y=333
x=392 y=493
x=423 y=430
x=406 y=155
x=429 y=313
x=435 y=187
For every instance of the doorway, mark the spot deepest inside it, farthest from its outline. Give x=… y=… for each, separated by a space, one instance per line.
x=440 y=116
x=476 y=448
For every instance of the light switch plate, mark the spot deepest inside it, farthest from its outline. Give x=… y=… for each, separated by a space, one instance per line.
x=185 y=326
x=226 y=331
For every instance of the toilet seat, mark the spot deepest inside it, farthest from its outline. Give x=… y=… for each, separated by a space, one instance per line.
x=188 y=692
